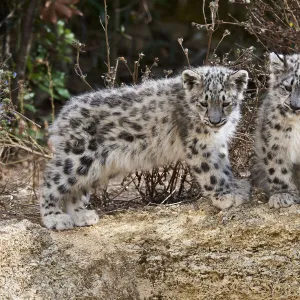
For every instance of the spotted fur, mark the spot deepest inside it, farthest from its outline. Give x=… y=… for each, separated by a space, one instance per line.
x=277 y=141
x=112 y=132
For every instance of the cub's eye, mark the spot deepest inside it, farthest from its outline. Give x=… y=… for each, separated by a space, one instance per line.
x=204 y=104
x=225 y=104
x=288 y=88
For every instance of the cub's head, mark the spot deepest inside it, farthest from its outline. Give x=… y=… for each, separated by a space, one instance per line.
x=214 y=92
x=285 y=80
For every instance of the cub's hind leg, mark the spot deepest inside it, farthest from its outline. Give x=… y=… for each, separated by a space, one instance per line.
x=63 y=199
x=53 y=195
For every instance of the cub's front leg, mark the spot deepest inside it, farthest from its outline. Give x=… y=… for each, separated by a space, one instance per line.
x=212 y=170
x=282 y=178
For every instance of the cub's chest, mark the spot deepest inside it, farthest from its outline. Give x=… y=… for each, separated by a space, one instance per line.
x=292 y=135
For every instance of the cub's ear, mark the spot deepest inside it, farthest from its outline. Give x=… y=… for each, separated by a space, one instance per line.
x=277 y=63
x=240 y=79
x=190 y=78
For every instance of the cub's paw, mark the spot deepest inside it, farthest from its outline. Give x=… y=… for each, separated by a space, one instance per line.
x=234 y=198
x=243 y=187
x=283 y=200
x=58 y=221
x=84 y=217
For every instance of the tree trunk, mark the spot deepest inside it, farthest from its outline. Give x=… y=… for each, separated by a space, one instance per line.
x=25 y=44
x=4 y=12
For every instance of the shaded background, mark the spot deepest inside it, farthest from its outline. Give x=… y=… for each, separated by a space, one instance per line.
x=151 y=27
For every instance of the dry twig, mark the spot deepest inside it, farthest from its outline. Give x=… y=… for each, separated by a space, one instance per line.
x=79 y=47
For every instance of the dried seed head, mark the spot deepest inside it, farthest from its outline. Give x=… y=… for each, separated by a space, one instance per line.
x=226 y=32
x=122 y=58
x=168 y=72
x=180 y=41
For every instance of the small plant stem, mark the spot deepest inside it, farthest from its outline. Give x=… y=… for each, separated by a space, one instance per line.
x=51 y=90
x=136 y=65
x=149 y=16
x=15 y=145
x=185 y=51
x=21 y=115
x=224 y=35
x=105 y=26
x=130 y=72
x=79 y=47
x=135 y=72
x=6 y=58
x=115 y=73
x=210 y=29
x=203 y=11
x=210 y=34
x=9 y=84
x=187 y=56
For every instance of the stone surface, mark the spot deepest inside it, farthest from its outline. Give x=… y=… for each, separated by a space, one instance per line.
x=176 y=252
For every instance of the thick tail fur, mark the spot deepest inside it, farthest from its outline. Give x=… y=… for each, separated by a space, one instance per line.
x=258 y=174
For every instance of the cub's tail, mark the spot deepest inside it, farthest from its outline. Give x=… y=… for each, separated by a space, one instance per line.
x=258 y=174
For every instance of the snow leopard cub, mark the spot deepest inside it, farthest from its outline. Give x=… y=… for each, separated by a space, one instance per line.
x=102 y=134
x=276 y=167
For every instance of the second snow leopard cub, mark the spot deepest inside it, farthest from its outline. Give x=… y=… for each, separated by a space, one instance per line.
x=276 y=166
x=116 y=131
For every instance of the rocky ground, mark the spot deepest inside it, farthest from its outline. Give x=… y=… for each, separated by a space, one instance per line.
x=189 y=251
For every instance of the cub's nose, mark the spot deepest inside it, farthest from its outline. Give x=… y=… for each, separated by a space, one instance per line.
x=214 y=115
x=294 y=107
x=215 y=121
